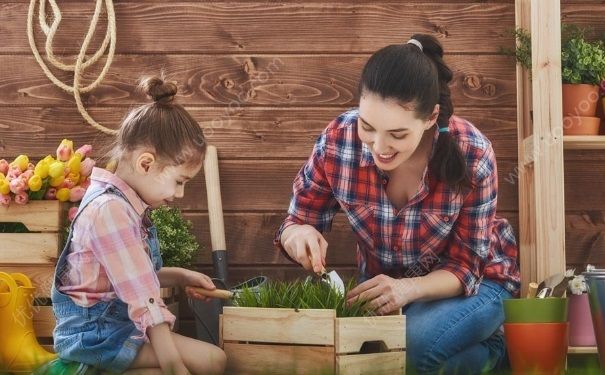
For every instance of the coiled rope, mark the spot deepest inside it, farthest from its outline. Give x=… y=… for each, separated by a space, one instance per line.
x=80 y=65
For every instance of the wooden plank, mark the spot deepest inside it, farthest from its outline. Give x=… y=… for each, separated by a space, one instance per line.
x=286 y=326
x=44 y=321
x=40 y=275
x=29 y=248
x=582 y=350
x=244 y=80
x=351 y=333
x=37 y=216
x=547 y=115
x=374 y=363
x=244 y=27
x=584 y=142
x=279 y=132
x=278 y=359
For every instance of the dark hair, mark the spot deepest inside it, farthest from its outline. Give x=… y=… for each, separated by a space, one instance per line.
x=164 y=125
x=420 y=78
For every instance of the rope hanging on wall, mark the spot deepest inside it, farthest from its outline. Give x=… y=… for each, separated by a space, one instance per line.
x=80 y=65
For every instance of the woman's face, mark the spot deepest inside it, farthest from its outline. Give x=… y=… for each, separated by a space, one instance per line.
x=390 y=131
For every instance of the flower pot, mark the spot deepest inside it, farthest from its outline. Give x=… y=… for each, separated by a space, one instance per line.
x=578 y=125
x=536 y=348
x=535 y=310
x=580 y=100
x=581 y=331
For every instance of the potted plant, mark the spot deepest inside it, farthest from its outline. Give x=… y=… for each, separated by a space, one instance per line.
x=581 y=331
x=582 y=70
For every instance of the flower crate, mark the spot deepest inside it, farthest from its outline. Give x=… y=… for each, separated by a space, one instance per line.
x=311 y=341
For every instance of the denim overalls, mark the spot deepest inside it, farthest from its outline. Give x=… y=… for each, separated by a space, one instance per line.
x=101 y=335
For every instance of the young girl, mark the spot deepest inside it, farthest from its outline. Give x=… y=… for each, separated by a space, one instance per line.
x=106 y=292
x=419 y=187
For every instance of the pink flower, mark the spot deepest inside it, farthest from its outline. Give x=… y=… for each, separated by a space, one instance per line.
x=76 y=194
x=18 y=185
x=68 y=183
x=86 y=166
x=85 y=183
x=13 y=172
x=71 y=214
x=30 y=166
x=65 y=150
x=3 y=166
x=27 y=174
x=21 y=198
x=84 y=151
x=51 y=194
x=5 y=200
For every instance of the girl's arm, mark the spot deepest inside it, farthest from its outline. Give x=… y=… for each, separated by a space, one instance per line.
x=163 y=345
x=170 y=277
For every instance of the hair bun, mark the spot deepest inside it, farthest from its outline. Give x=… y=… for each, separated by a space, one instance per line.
x=159 y=90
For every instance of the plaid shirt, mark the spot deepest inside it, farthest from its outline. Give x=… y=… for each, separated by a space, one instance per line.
x=437 y=229
x=109 y=257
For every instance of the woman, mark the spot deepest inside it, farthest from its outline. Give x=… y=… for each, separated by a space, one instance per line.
x=419 y=187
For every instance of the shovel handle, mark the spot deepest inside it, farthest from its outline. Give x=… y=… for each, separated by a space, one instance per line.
x=310 y=255
x=216 y=293
x=532 y=290
x=215 y=205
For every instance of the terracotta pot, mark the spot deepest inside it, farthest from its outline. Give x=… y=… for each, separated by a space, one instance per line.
x=578 y=125
x=536 y=348
x=580 y=100
x=581 y=331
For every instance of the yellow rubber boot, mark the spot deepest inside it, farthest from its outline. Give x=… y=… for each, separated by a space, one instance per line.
x=20 y=351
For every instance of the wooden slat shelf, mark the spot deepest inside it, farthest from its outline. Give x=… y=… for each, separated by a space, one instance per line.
x=582 y=350
x=584 y=142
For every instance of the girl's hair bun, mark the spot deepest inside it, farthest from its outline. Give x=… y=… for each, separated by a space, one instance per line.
x=159 y=90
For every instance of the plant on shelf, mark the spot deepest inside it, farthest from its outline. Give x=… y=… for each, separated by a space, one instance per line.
x=301 y=294
x=582 y=70
x=178 y=245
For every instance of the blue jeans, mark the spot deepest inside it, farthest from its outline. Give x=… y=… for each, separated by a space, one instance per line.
x=459 y=335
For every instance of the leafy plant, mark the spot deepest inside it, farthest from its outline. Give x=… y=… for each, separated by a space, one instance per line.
x=582 y=61
x=301 y=294
x=178 y=245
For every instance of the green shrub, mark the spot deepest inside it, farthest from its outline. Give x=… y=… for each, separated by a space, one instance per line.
x=178 y=245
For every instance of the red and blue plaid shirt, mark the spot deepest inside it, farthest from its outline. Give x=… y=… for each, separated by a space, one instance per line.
x=437 y=228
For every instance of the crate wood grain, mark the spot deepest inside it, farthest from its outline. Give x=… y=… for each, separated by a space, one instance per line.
x=311 y=341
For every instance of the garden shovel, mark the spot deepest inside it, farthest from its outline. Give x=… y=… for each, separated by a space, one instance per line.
x=330 y=278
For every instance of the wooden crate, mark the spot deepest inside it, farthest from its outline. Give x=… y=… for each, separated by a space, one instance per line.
x=308 y=341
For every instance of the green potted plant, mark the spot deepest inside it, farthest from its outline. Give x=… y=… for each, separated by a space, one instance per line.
x=582 y=70
x=178 y=245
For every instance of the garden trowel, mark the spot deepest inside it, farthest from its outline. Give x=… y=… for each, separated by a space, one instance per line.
x=331 y=278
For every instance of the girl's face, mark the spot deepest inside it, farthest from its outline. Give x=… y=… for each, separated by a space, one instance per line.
x=159 y=186
x=390 y=131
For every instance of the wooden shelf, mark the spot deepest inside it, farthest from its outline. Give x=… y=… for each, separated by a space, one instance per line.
x=584 y=142
x=582 y=350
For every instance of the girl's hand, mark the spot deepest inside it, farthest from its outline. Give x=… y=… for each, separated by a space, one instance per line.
x=192 y=278
x=383 y=293
x=303 y=242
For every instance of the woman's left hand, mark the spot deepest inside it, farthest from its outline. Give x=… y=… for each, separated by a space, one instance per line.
x=192 y=278
x=383 y=293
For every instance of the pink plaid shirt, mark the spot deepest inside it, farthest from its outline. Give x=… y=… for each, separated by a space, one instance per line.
x=109 y=257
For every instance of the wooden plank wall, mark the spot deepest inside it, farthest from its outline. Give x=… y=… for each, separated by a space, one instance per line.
x=264 y=78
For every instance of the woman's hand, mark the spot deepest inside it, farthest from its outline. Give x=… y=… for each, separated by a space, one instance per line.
x=192 y=278
x=384 y=294
x=303 y=243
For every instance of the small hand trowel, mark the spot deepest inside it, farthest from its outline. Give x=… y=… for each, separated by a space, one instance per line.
x=330 y=278
x=252 y=284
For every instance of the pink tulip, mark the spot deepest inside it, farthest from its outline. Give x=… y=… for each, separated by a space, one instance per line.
x=5 y=200
x=86 y=166
x=85 y=183
x=30 y=166
x=21 y=198
x=13 y=172
x=17 y=185
x=68 y=183
x=65 y=150
x=3 y=166
x=71 y=213
x=51 y=194
x=84 y=151
x=27 y=174
x=76 y=194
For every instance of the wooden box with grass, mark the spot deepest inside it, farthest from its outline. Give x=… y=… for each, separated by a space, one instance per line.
x=311 y=340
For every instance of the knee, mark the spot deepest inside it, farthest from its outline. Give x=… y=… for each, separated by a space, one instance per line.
x=422 y=354
x=217 y=360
